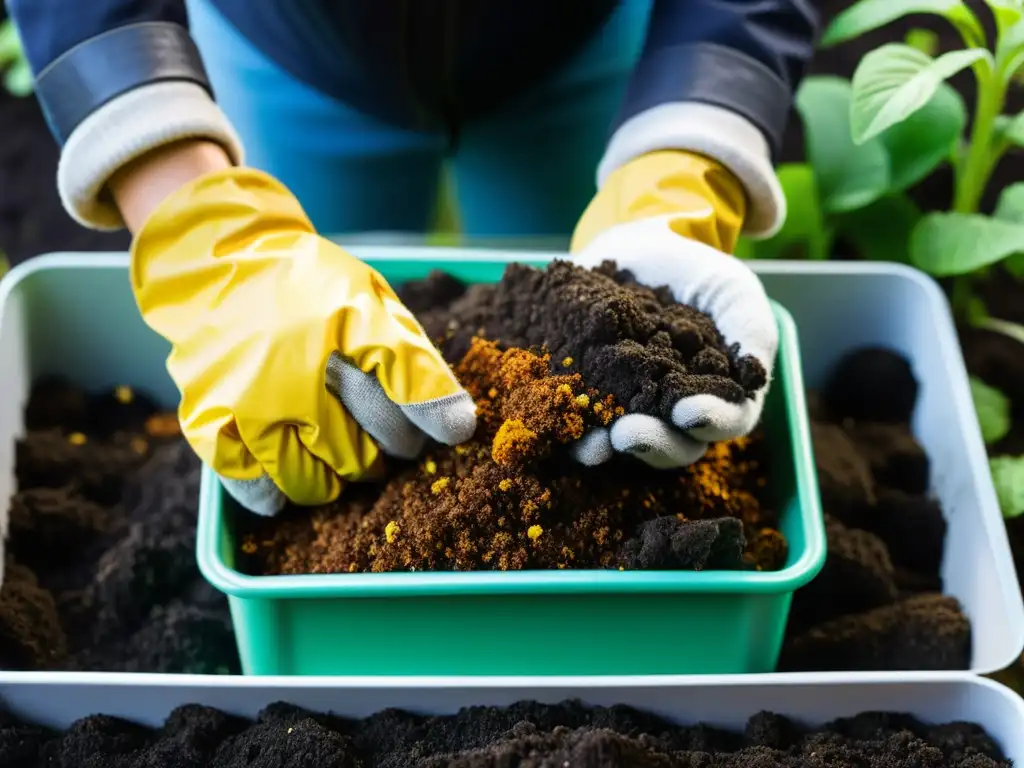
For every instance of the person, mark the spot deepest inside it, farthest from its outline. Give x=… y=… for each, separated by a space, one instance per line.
x=226 y=134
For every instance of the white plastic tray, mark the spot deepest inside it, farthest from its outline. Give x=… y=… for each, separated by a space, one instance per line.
x=724 y=701
x=73 y=313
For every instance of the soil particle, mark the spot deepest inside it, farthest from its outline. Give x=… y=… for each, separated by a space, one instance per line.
x=512 y=498
x=871 y=384
x=31 y=636
x=103 y=525
x=632 y=342
x=897 y=461
x=913 y=528
x=886 y=535
x=923 y=632
x=857 y=576
x=671 y=544
x=844 y=476
x=526 y=734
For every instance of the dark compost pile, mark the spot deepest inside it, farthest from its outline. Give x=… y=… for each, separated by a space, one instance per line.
x=527 y=735
x=878 y=603
x=99 y=570
x=545 y=355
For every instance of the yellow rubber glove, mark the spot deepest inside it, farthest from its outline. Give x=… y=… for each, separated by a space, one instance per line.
x=706 y=201
x=296 y=362
x=672 y=219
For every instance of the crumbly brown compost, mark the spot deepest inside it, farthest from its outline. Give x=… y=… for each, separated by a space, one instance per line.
x=626 y=340
x=512 y=498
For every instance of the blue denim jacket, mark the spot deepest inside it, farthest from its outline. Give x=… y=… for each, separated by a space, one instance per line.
x=431 y=63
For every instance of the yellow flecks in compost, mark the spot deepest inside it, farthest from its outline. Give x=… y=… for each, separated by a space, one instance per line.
x=124 y=394
x=583 y=401
x=514 y=439
x=163 y=425
x=567 y=361
x=439 y=485
x=534 y=532
x=505 y=485
x=391 y=531
x=430 y=467
x=77 y=438
x=249 y=547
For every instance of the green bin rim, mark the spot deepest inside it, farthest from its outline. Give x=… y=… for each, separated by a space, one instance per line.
x=210 y=531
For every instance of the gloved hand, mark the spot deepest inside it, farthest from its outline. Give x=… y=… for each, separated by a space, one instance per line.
x=297 y=364
x=673 y=218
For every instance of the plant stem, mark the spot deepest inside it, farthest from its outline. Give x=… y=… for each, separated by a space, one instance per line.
x=978 y=164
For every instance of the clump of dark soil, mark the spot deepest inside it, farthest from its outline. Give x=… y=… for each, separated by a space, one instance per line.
x=100 y=571
x=877 y=603
x=526 y=734
x=634 y=343
x=512 y=498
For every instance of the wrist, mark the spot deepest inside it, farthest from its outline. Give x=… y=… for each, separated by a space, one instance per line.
x=143 y=183
x=701 y=199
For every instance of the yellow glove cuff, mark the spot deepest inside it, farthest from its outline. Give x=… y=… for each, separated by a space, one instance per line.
x=709 y=202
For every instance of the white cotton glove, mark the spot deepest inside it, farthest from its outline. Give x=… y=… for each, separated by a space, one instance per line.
x=662 y=250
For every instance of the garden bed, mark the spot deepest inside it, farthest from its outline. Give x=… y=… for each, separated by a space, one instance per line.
x=524 y=734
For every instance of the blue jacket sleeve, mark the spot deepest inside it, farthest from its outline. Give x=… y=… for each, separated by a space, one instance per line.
x=85 y=53
x=747 y=56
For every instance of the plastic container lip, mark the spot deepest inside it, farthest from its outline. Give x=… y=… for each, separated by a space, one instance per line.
x=540 y=582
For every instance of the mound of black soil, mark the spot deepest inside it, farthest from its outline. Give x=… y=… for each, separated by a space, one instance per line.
x=626 y=340
x=877 y=603
x=100 y=569
x=524 y=735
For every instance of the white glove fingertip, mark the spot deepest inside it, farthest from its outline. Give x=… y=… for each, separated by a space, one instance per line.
x=710 y=418
x=655 y=442
x=365 y=400
x=449 y=420
x=260 y=496
x=594 y=448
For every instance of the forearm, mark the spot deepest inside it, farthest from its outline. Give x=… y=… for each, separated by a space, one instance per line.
x=717 y=77
x=117 y=81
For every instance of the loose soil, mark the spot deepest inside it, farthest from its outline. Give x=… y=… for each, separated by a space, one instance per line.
x=877 y=603
x=526 y=734
x=512 y=498
x=99 y=568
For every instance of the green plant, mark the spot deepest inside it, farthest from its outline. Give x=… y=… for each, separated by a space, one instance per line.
x=854 y=193
x=17 y=76
x=893 y=85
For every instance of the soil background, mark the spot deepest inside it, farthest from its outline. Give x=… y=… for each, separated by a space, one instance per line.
x=526 y=734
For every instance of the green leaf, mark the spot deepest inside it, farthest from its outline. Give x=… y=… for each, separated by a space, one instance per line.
x=1006 y=13
x=923 y=40
x=871 y=14
x=1011 y=204
x=924 y=140
x=1010 y=51
x=993 y=409
x=948 y=244
x=804 y=233
x=1008 y=479
x=1011 y=129
x=894 y=81
x=882 y=230
x=848 y=176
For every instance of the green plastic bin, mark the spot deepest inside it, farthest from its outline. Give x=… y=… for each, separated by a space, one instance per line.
x=597 y=622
